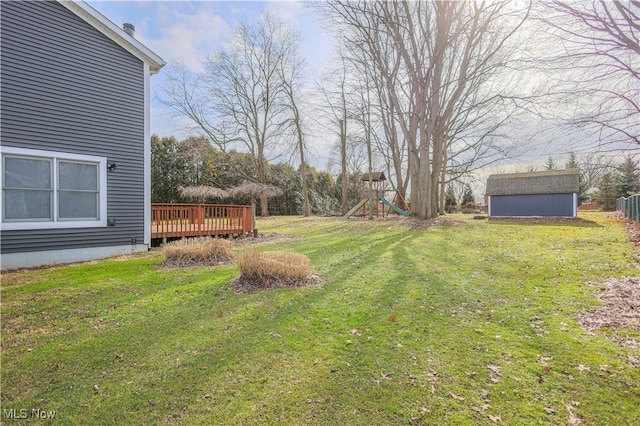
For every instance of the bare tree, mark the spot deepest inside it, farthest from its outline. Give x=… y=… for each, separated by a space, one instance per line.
x=291 y=76
x=596 y=65
x=239 y=101
x=441 y=52
x=335 y=91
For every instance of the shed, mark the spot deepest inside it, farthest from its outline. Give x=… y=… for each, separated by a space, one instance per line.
x=75 y=123
x=547 y=193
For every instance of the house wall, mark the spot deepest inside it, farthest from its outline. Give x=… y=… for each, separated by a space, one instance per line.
x=533 y=205
x=68 y=88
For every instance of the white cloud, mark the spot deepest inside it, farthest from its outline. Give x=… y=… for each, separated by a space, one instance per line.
x=289 y=11
x=186 y=36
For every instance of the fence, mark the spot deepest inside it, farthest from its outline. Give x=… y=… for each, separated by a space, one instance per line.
x=629 y=206
x=190 y=220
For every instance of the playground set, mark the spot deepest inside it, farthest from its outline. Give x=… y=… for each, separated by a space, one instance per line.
x=382 y=207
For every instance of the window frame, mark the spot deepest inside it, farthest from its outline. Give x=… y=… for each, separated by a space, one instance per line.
x=56 y=222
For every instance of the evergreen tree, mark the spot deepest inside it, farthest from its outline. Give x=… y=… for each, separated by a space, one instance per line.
x=200 y=161
x=467 y=195
x=572 y=163
x=550 y=164
x=450 y=197
x=583 y=183
x=626 y=178
x=167 y=170
x=606 y=195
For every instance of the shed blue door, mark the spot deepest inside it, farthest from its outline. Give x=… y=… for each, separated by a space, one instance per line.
x=532 y=205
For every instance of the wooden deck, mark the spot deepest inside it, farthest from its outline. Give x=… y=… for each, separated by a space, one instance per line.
x=192 y=220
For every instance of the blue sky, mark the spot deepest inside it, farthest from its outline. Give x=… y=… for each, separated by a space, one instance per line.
x=189 y=30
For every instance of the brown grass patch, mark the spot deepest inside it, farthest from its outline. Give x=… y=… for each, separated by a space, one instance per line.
x=205 y=251
x=263 y=270
x=619 y=311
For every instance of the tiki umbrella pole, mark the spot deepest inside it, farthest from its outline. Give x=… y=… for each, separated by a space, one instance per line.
x=253 y=213
x=253 y=191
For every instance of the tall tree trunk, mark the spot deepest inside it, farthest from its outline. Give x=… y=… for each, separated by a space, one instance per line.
x=303 y=165
x=367 y=122
x=343 y=154
x=262 y=178
x=443 y=182
x=305 y=190
x=424 y=173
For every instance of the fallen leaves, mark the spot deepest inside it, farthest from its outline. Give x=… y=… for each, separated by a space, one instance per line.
x=481 y=408
x=433 y=378
x=583 y=367
x=635 y=362
x=494 y=369
x=618 y=311
x=494 y=373
x=454 y=396
x=535 y=324
x=387 y=376
x=495 y=419
x=573 y=419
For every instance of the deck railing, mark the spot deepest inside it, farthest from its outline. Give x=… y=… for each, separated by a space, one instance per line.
x=629 y=206
x=190 y=220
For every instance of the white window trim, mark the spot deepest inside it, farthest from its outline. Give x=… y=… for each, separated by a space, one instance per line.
x=60 y=224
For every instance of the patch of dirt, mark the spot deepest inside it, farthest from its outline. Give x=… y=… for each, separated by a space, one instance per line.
x=414 y=223
x=619 y=310
x=244 y=285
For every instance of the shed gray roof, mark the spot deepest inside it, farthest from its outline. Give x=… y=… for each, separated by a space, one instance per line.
x=547 y=182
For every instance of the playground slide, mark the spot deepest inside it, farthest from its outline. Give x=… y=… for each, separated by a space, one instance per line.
x=357 y=206
x=393 y=207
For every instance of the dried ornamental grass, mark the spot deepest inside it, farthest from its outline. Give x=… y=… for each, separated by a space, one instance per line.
x=204 y=250
x=257 y=265
x=259 y=271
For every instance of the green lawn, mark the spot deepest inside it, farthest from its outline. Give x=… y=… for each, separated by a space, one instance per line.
x=466 y=324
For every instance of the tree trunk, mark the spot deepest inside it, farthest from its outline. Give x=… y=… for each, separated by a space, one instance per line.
x=443 y=183
x=343 y=153
x=264 y=208
x=303 y=167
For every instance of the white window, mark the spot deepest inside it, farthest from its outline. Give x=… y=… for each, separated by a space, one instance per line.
x=44 y=189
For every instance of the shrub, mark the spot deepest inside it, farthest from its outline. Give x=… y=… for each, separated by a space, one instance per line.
x=257 y=265
x=198 y=250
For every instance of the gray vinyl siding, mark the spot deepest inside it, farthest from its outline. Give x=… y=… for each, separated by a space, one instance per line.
x=68 y=88
x=532 y=205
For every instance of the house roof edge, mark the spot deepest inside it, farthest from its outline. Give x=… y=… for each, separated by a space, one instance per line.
x=115 y=33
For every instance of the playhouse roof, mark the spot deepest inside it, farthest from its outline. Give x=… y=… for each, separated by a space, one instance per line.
x=375 y=177
x=547 y=182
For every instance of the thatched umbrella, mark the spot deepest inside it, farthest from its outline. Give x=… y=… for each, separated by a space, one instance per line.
x=202 y=192
x=255 y=191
